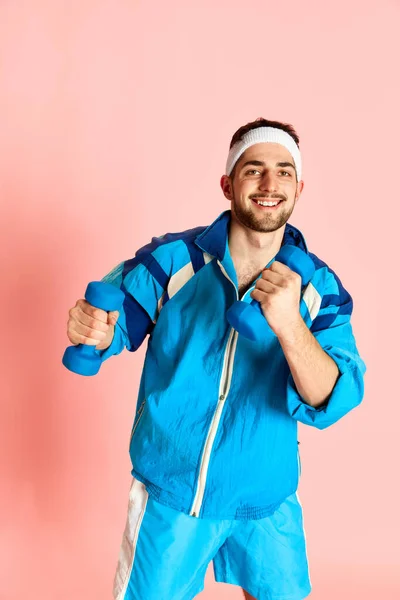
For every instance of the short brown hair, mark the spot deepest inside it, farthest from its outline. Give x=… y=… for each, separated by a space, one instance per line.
x=261 y=122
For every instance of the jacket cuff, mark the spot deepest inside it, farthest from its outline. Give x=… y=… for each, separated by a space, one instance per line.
x=347 y=393
x=116 y=346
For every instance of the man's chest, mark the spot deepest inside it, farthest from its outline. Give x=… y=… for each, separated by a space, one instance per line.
x=246 y=274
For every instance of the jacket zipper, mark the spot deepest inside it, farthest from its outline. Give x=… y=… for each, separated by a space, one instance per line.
x=224 y=386
x=138 y=417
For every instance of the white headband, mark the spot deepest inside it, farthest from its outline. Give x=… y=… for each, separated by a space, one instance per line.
x=264 y=134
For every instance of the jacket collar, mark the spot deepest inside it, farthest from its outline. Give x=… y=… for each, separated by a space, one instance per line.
x=214 y=240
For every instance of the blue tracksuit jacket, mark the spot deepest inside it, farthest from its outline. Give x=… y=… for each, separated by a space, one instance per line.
x=215 y=432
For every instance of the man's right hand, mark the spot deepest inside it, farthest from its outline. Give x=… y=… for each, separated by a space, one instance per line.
x=90 y=325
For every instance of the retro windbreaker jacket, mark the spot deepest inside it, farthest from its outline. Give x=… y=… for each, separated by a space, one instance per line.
x=215 y=430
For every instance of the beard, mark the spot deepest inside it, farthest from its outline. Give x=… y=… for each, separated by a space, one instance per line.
x=263 y=223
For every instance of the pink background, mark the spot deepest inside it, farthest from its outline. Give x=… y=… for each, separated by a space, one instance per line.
x=116 y=118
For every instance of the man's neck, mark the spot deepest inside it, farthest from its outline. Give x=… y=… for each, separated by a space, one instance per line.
x=252 y=247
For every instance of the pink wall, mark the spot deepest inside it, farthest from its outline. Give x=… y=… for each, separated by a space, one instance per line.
x=115 y=122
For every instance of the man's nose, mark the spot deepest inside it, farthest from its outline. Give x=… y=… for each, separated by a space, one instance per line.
x=268 y=183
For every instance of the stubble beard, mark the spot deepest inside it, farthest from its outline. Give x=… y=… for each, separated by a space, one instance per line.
x=262 y=223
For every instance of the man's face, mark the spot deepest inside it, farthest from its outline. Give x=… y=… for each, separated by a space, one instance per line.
x=264 y=173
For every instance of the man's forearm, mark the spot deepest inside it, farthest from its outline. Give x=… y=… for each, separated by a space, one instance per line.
x=313 y=370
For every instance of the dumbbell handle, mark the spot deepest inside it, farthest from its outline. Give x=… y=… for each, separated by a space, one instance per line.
x=84 y=359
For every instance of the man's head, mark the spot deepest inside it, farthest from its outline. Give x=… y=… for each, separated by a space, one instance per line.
x=263 y=171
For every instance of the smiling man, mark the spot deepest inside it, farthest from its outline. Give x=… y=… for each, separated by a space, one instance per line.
x=214 y=447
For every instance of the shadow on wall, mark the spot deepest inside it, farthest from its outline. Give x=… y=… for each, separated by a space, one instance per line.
x=40 y=432
x=58 y=440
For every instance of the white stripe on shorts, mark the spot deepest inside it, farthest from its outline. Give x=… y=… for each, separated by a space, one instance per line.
x=304 y=533
x=136 y=508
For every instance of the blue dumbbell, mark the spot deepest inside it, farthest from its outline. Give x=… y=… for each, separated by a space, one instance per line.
x=248 y=318
x=84 y=359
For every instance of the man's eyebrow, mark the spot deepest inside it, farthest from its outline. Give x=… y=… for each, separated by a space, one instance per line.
x=260 y=163
x=286 y=164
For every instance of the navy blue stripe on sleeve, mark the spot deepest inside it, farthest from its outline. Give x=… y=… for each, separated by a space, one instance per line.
x=342 y=304
x=343 y=301
x=154 y=268
x=138 y=322
x=323 y=322
x=196 y=255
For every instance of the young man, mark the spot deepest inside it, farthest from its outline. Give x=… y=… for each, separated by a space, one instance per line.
x=214 y=443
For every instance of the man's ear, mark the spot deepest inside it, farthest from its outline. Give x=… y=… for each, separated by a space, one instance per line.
x=226 y=186
x=299 y=190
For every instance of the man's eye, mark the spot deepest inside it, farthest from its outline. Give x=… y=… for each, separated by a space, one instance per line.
x=252 y=171
x=287 y=173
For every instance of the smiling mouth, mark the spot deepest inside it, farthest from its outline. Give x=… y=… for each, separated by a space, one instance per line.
x=267 y=203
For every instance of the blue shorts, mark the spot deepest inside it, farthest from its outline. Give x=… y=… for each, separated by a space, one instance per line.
x=165 y=553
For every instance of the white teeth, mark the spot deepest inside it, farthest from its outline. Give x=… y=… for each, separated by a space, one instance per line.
x=266 y=203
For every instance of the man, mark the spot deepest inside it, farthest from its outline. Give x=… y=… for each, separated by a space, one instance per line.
x=214 y=443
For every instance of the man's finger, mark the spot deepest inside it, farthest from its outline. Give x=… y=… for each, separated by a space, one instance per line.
x=113 y=317
x=273 y=276
x=279 y=267
x=266 y=286
x=283 y=270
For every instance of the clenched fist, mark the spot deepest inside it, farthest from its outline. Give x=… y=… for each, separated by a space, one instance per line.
x=90 y=325
x=279 y=291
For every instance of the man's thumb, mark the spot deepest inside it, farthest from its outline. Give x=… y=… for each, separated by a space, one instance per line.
x=113 y=317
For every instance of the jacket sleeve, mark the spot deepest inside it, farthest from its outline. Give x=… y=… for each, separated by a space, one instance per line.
x=143 y=282
x=332 y=329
